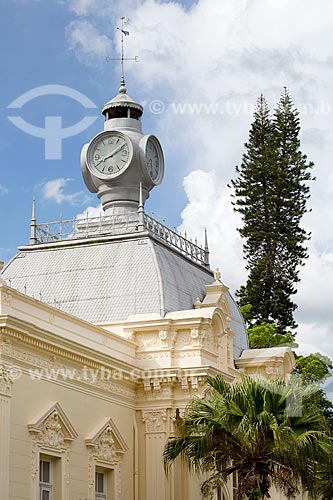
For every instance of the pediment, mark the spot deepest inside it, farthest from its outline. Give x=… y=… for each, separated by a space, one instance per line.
x=52 y=427
x=106 y=442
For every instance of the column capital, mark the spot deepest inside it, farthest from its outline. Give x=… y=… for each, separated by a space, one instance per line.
x=6 y=381
x=155 y=420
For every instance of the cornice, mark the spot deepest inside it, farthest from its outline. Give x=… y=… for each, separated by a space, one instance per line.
x=100 y=381
x=167 y=323
x=47 y=341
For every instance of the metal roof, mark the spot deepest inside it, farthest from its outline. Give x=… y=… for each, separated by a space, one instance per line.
x=105 y=281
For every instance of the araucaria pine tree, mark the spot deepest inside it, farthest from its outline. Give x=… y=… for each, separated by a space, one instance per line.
x=271 y=193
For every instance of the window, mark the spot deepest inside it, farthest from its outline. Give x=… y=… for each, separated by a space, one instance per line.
x=45 y=479
x=50 y=474
x=100 y=485
x=105 y=487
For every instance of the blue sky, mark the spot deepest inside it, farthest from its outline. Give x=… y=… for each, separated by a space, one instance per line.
x=35 y=53
x=207 y=62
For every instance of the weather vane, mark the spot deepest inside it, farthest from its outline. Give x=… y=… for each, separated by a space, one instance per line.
x=124 y=33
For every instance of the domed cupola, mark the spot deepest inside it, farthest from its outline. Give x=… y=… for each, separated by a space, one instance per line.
x=122 y=106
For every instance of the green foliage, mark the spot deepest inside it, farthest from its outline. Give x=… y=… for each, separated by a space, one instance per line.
x=270 y=193
x=254 y=493
x=314 y=368
x=325 y=480
x=325 y=405
x=268 y=432
x=264 y=334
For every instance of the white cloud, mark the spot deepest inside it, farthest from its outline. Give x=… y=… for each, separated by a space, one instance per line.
x=315 y=336
x=209 y=206
x=54 y=191
x=100 y=8
x=91 y=212
x=89 y=46
x=3 y=189
x=80 y=7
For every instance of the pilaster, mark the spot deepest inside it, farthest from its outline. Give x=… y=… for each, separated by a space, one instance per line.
x=5 y=396
x=155 y=437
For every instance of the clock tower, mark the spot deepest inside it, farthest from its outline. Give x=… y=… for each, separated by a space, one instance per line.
x=120 y=159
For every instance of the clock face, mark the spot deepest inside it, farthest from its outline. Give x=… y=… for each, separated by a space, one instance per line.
x=109 y=154
x=154 y=160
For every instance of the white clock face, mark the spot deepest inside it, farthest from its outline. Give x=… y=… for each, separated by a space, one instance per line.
x=153 y=160
x=109 y=154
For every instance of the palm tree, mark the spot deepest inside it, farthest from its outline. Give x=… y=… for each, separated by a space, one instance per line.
x=325 y=480
x=255 y=428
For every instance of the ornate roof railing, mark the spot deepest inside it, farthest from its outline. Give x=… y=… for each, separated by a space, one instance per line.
x=177 y=241
x=116 y=225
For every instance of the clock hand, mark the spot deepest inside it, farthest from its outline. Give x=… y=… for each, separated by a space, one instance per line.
x=115 y=151
x=111 y=154
x=100 y=161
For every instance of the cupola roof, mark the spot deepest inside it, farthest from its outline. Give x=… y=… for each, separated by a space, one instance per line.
x=122 y=100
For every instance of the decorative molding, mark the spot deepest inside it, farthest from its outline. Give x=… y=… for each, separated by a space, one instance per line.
x=166 y=393
x=274 y=371
x=155 y=420
x=106 y=449
x=153 y=355
x=6 y=297
x=67 y=464
x=163 y=334
x=118 y=482
x=49 y=360
x=5 y=381
x=187 y=354
x=50 y=347
x=34 y=457
x=52 y=434
x=91 y=473
x=106 y=443
x=193 y=382
x=160 y=384
x=148 y=340
x=230 y=360
x=163 y=386
x=161 y=339
x=200 y=338
x=52 y=429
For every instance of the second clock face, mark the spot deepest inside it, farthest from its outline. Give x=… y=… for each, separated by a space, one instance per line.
x=109 y=154
x=153 y=158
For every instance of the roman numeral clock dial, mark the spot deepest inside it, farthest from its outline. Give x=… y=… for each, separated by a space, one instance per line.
x=109 y=154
